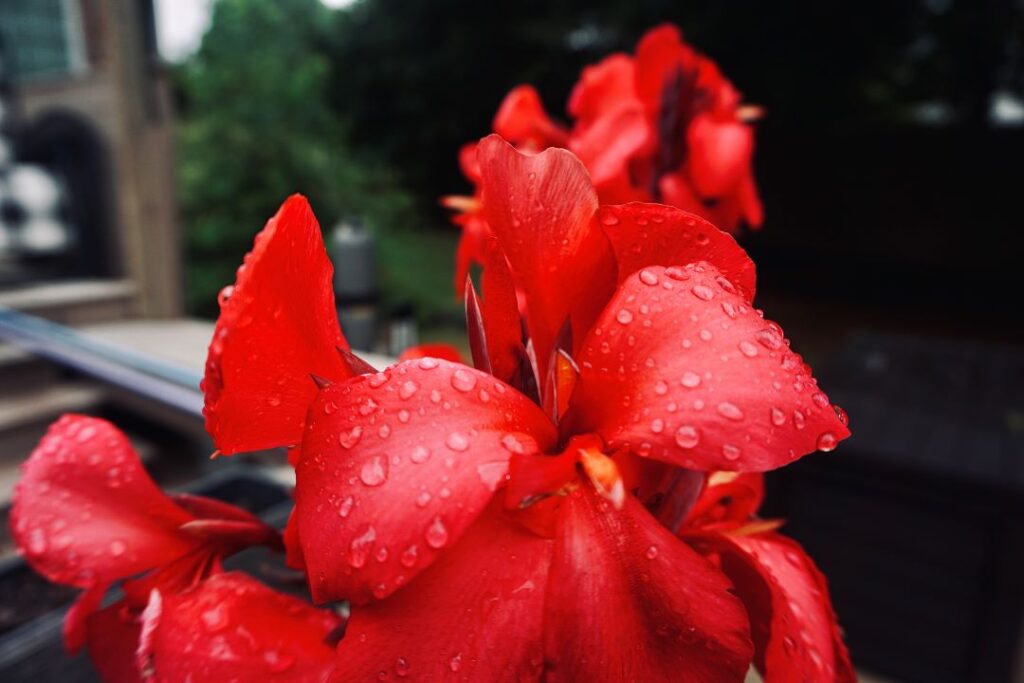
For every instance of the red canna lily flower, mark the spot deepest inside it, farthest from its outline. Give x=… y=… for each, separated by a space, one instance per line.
x=535 y=498
x=86 y=514
x=662 y=126
x=794 y=628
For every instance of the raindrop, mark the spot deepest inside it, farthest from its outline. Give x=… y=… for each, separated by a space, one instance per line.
x=748 y=349
x=652 y=552
x=407 y=389
x=420 y=455
x=225 y=294
x=826 y=442
x=703 y=292
x=730 y=411
x=657 y=426
x=648 y=278
x=117 y=548
x=624 y=316
x=778 y=417
x=423 y=499
x=457 y=441
x=456 y=663
x=401 y=667
x=463 y=381
x=360 y=547
x=661 y=387
x=731 y=452
x=345 y=508
x=798 y=419
x=609 y=218
x=428 y=363
x=375 y=471
x=409 y=556
x=437 y=533
x=350 y=439
x=690 y=380
x=687 y=436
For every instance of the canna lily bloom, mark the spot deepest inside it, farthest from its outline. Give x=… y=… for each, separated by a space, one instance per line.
x=792 y=622
x=662 y=126
x=86 y=514
x=519 y=518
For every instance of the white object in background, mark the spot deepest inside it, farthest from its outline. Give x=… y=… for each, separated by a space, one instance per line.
x=42 y=235
x=35 y=190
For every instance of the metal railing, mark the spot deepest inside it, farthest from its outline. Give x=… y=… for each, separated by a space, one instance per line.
x=152 y=378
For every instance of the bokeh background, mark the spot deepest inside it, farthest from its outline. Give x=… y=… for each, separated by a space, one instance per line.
x=144 y=142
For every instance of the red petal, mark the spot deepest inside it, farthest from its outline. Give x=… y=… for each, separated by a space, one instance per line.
x=394 y=468
x=232 y=627
x=86 y=512
x=602 y=87
x=521 y=119
x=636 y=604
x=475 y=615
x=660 y=53
x=292 y=545
x=278 y=327
x=607 y=144
x=718 y=153
x=442 y=351
x=795 y=629
x=500 y=311
x=468 y=163
x=654 y=235
x=541 y=208
x=113 y=636
x=679 y=368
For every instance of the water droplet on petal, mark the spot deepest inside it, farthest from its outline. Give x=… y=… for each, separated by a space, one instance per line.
x=437 y=533
x=407 y=389
x=351 y=438
x=731 y=452
x=703 y=292
x=374 y=471
x=609 y=218
x=117 y=548
x=652 y=552
x=747 y=349
x=687 y=436
x=360 y=548
x=624 y=316
x=409 y=556
x=428 y=363
x=420 y=454
x=345 y=508
x=648 y=278
x=730 y=411
x=463 y=380
x=457 y=441
x=778 y=417
x=826 y=442
x=401 y=667
x=690 y=380
x=799 y=421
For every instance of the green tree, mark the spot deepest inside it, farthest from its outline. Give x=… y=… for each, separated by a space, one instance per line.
x=256 y=126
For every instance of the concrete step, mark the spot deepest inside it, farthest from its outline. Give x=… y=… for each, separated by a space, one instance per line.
x=25 y=417
x=74 y=302
x=21 y=372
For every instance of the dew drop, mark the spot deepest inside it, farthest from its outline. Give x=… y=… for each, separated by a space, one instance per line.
x=351 y=438
x=345 y=508
x=778 y=417
x=703 y=292
x=408 y=389
x=826 y=442
x=747 y=349
x=423 y=500
x=420 y=455
x=401 y=667
x=456 y=662
x=648 y=278
x=609 y=218
x=457 y=441
x=661 y=387
x=463 y=380
x=624 y=316
x=799 y=421
x=687 y=436
x=428 y=363
x=690 y=380
x=374 y=471
x=730 y=411
x=841 y=415
x=360 y=548
x=409 y=556
x=652 y=552
x=437 y=533
x=731 y=452
x=117 y=548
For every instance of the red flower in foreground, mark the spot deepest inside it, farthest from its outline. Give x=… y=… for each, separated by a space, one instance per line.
x=532 y=504
x=662 y=126
x=86 y=514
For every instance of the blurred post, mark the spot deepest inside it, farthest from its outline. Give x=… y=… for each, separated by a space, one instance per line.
x=355 y=283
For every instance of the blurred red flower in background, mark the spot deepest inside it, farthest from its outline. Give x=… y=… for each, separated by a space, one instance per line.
x=539 y=504
x=663 y=125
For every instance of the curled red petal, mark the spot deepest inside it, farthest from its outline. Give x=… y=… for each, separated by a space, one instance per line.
x=77 y=617
x=521 y=119
x=795 y=629
x=232 y=627
x=637 y=604
x=680 y=368
x=86 y=512
x=442 y=351
x=292 y=545
x=278 y=326
x=475 y=615
x=396 y=466
x=655 y=235
x=541 y=208
x=727 y=499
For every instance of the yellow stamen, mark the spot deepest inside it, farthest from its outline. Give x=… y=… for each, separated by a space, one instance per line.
x=604 y=475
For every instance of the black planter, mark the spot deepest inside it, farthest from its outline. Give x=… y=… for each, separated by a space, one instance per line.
x=32 y=609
